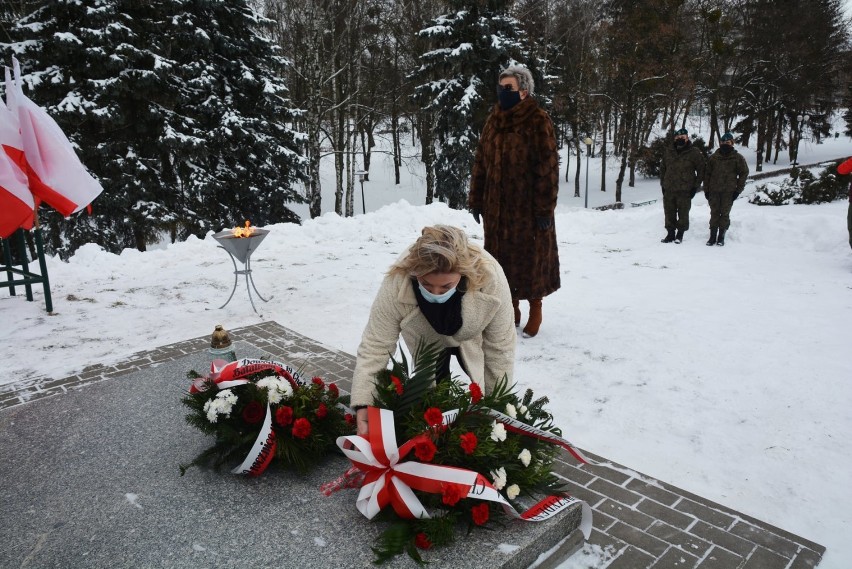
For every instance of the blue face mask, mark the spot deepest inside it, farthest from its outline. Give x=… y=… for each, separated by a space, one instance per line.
x=436 y=298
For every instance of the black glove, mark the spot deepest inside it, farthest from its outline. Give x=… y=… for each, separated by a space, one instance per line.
x=476 y=212
x=544 y=223
x=736 y=195
x=707 y=195
x=693 y=193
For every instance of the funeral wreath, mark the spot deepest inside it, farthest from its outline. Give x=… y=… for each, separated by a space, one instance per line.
x=263 y=412
x=444 y=455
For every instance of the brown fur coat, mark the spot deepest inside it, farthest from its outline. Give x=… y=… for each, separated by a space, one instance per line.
x=515 y=180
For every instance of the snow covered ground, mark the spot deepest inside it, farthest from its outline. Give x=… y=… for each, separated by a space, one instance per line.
x=724 y=371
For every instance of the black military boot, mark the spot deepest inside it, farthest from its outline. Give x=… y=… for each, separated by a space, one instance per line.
x=679 y=236
x=712 y=240
x=721 y=240
x=670 y=236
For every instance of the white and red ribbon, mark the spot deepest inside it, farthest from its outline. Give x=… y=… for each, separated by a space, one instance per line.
x=262 y=451
x=231 y=374
x=389 y=481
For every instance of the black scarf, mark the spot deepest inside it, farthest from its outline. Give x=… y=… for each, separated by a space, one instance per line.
x=445 y=318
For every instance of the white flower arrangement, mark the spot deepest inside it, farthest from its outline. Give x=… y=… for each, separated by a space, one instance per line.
x=513 y=491
x=277 y=387
x=498 y=432
x=525 y=457
x=511 y=411
x=222 y=404
x=523 y=410
x=499 y=478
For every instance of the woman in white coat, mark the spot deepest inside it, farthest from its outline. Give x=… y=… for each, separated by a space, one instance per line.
x=443 y=290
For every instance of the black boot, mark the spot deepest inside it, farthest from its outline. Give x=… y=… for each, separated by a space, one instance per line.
x=670 y=236
x=721 y=240
x=679 y=236
x=713 y=232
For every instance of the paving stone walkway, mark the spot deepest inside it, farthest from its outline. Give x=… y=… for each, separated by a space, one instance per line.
x=647 y=523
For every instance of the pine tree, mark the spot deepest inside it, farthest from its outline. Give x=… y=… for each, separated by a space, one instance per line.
x=174 y=105
x=232 y=94
x=64 y=49
x=459 y=76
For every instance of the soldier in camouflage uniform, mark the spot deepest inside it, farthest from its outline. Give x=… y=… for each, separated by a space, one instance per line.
x=681 y=174
x=845 y=169
x=724 y=180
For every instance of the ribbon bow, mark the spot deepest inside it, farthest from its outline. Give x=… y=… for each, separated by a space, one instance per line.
x=389 y=481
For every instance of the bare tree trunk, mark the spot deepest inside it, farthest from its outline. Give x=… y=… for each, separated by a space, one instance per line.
x=397 y=148
x=314 y=186
x=604 y=132
x=577 y=172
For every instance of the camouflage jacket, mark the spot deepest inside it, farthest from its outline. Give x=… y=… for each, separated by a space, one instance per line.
x=725 y=173
x=682 y=170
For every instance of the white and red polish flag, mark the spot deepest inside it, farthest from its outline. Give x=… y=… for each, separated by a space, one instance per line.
x=17 y=206
x=56 y=175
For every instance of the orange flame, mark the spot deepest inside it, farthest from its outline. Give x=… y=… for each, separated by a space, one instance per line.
x=246 y=231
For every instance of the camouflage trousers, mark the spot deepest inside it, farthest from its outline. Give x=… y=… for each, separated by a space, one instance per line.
x=676 y=206
x=720 y=209
x=849 y=222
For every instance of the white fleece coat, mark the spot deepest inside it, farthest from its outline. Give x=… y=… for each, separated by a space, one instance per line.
x=486 y=339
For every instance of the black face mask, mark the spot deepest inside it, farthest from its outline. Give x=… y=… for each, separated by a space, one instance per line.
x=508 y=99
x=680 y=143
x=726 y=149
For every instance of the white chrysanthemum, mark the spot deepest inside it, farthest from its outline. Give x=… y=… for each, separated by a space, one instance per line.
x=228 y=396
x=499 y=478
x=525 y=457
x=277 y=388
x=513 y=491
x=221 y=405
x=510 y=411
x=523 y=410
x=498 y=432
x=212 y=416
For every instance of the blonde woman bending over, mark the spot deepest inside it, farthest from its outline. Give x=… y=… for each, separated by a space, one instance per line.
x=443 y=290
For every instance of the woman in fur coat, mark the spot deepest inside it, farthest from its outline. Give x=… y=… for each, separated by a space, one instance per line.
x=444 y=290
x=513 y=188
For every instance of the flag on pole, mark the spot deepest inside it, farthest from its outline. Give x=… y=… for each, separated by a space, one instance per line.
x=56 y=175
x=17 y=206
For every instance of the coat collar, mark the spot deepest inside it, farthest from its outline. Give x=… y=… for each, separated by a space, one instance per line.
x=478 y=308
x=515 y=116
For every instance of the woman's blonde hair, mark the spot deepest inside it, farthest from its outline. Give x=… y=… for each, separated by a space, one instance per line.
x=443 y=249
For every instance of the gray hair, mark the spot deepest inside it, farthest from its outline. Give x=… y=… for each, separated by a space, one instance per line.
x=523 y=76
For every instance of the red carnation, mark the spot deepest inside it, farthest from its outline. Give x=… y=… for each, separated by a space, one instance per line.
x=318 y=381
x=468 y=442
x=301 y=428
x=433 y=416
x=332 y=389
x=421 y=540
x=451 y=494
x=475 y=392
x=480 y=514
x=397 y=384
x=349 y=418
x=425 y=450
x=253 y=413
x=322 y=411
x=284 y=415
